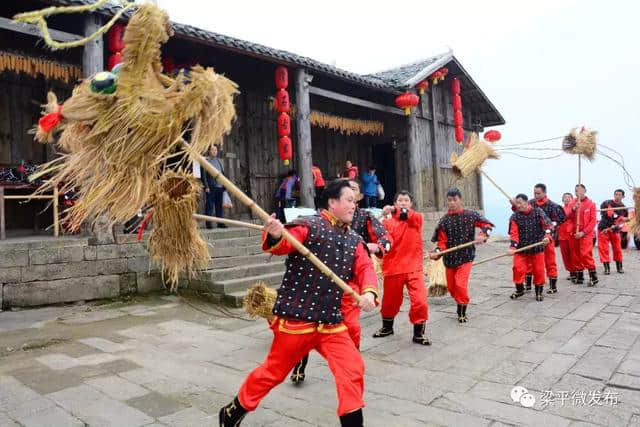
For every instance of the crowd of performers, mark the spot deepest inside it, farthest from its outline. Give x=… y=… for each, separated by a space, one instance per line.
x=313 y=313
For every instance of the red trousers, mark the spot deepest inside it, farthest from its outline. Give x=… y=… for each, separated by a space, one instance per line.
x=550 y=264
x=392 y=297
x=351 y=318
x=457 y=281
x=522 y=262
x=565 y=251
x=582 y=253
x=288 y=348
x=603 y=246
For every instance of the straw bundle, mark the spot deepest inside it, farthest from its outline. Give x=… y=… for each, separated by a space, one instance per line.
x=580 y=142
x=117 y=153
x=175 y=242
x=436 y=277
x=634 y=224
x=473 y=157
x=259 y=301
x=377 y=266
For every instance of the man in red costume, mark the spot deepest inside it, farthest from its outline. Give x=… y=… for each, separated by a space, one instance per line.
x=403 y=266
x=565 y=234
x=528 y=225
x=378 y=242
x=609 y=231
x=456 y=228
x=307 y=309
x=583 y=214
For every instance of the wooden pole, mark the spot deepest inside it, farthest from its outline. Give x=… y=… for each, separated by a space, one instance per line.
x=264 y=216
x=56 y=223
x=3 y=234
x=455 y=248
x=438 y=199
x=496 y=185
x=415 y=169
x=533 y=245
x=228 y=221
x=303 y=127
x=93 y=52
x=579 y=168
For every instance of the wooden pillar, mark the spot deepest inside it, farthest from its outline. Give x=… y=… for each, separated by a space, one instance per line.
x=414 y=161
x=305 y=162
x=3 y=234
x=93 y=54
x=437 y=198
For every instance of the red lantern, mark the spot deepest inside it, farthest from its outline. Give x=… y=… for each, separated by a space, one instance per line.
x=492 y=136
x=455 y=86
x=284 y=149
x=435 y=77
x=457 y=118
x=284 y=124
x=282 y=78
x=422 y=86
x=116 y=34
x=282 y=101
x=459 y=134
x=406 y=101
x=456 y=101
x=114 y=60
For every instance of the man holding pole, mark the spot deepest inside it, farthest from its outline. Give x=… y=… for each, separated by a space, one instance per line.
x=307 y=309
x=565 y=234
x=527 y=226
x=582 y=211
x=457 y=228
x=609 y=231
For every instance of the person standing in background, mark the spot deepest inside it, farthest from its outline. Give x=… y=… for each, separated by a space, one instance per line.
x=565 y=234
x=213 y=190
x=370 y=188
x=318 y=185
x=350 y=171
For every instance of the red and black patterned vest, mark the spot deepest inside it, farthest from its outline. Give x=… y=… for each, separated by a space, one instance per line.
x=554 y=211
x=359 y=224
x=608 y=221
x=306 y=293
x=459 y=229
x=530 y=229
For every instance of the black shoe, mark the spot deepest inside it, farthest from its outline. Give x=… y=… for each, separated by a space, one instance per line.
x=232 y=414
x=607 y=268
x=464 y=313
x=460 y=313
x=539 y=292
x=580 y=278
x=553 y=286
x=573 y=277
x=221 y=225
x=519 y=291
x=386 y=330
x=419 y=336
x=352 y=419
x=593 y=278
x=528 y=280
x=619 y=267
x=297 y=375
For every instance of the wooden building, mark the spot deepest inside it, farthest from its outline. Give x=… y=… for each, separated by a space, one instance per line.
x=412 y=152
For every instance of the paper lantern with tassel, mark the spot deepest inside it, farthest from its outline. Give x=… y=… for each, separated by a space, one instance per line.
x=492 y=136
x=282 y=77
x=283 y=105
x=114 y=59
x=284 y=125
x=422 y=86
x=285 y=150
x=457 y=118
x=115 y=38
x=406 y=101
x=459 y=134
x=455 y=86
x=456 y=101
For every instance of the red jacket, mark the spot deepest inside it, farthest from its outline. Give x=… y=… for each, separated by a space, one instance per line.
x=567 y=229
x=587 y=215
x=406 y=252
x=351 y=173
x=318 y=180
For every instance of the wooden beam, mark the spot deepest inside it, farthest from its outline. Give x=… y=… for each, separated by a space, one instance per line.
x=33 y=30
x=414 y=161
x=303 y=126
x=433 y=125
x=93 y=54
x=354 y=101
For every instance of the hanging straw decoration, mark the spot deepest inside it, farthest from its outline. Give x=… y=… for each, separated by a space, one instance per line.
x=117 y=142
x=582 y=142
x=259 y=301
x=634 y=224
x=34 y=67
x=473 y=157
x=175 y=242
x=436 y=277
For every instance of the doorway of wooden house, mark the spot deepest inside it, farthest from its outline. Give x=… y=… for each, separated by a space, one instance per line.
x=384 y=160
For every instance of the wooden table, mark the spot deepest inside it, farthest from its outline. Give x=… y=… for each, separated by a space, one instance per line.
x=22 y=186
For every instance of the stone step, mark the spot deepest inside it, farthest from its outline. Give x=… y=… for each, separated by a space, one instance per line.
x=235 y=251
x=228 y=233
x=237 y=285
x=236 y=241
x=254 y=269
x=235 y=261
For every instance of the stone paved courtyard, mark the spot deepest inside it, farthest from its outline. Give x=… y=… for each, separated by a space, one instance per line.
x=167 y=361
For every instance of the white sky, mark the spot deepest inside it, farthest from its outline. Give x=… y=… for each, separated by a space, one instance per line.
x=547 y=66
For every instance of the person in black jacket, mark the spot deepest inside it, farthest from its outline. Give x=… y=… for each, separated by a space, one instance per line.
x=212 y=188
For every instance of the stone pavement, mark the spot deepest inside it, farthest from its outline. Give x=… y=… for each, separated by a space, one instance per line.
x=169 y=361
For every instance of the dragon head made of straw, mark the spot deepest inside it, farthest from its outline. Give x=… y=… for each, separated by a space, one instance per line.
x=116 y=143
x=581 y=141
x=475 y=154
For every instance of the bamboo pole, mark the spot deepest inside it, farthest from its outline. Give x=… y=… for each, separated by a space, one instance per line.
x=533 y=245
x=616 y=209
x=264 y=216
x=228 y=221
x=56 y=223
x=455 y=248
x=496 y=185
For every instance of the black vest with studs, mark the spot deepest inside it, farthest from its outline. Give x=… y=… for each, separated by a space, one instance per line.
x=306 y=294
x=530 y=229
x=459 y=229
x=359 y=225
